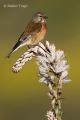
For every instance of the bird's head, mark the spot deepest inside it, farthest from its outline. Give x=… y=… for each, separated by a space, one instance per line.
x=39 y=17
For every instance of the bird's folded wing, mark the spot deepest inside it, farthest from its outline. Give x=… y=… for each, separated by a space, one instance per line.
x=31 y=30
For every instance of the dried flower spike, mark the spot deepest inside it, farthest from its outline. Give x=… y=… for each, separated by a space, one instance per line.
x=53 y=70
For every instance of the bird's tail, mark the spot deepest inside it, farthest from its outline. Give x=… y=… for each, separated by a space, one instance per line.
x=8 y=56
x=16 y=46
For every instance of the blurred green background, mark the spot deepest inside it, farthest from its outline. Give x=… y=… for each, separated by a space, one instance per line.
x=22 y=97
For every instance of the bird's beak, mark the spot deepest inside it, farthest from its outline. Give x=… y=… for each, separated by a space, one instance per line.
x=45 y=17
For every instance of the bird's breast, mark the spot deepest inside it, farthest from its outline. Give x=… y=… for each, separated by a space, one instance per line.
x=39 y=36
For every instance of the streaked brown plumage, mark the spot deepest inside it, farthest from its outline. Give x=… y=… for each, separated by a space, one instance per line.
x=33 y=33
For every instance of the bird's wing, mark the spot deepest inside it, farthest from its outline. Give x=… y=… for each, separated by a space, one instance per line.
x=31 y=29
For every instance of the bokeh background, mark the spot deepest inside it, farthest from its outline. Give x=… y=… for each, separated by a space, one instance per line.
x=22 y=97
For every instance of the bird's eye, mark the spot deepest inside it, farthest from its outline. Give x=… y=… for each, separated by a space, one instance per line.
x=40 y=16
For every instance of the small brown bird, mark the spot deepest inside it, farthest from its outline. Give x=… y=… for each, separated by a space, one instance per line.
x=33 y=33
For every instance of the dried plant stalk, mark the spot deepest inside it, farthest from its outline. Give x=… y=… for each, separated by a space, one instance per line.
x=53 y=70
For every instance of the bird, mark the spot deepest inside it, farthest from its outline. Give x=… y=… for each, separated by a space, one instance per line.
x=33 y=33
